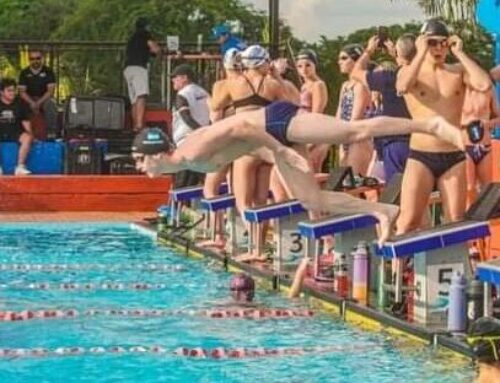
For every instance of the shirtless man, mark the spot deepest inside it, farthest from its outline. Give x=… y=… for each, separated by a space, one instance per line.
x=432 y=87
x=275 y=128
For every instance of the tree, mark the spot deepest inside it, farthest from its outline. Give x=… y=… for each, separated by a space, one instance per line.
x=450 y=10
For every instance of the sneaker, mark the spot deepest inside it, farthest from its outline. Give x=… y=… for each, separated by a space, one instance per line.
x=21 y=171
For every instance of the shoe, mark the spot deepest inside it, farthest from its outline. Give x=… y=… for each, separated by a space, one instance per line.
x=21 y=171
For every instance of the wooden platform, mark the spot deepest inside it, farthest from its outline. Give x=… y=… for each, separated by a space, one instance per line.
x=82 y=193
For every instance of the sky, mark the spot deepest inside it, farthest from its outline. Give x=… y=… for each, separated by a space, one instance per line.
x=310 y=19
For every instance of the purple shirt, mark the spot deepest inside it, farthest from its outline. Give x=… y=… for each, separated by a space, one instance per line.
x=384 y=81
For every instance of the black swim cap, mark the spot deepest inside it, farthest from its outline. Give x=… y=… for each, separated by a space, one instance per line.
x=354 y=51
x=435 y=27
x=151 y=141
x=307 y=54
x=484 y=339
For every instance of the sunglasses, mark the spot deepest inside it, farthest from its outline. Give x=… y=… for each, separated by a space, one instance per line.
x=344 y=58
x=437 y=42
x=36 y=58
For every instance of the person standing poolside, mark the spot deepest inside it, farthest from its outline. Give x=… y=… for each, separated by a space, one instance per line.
x=37 y=84
x=140 y=47
x=252 y=90
x=480 y=115
x=276 y=128
x=432 y=87
x=394 y=149
x=191 y=112
x=353 y=102
x=213 y=181
x=15 y=123
x=313 y=98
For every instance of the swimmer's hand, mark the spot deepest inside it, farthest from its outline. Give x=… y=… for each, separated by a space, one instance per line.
x=294 y=159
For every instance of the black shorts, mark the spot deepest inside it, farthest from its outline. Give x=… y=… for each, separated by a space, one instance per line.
x=10 y=135
x=188 y=178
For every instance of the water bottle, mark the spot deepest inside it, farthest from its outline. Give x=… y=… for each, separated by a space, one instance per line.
x=360 y=274
x=475 y=300
x=457 y=307
x=340 y=271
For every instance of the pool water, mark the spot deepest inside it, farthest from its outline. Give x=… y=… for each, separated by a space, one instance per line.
x=116 y=253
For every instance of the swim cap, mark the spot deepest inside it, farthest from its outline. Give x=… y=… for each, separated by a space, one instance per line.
x=435 y=27
x=220 y=30
x=354 y=51
x=307 y=54
x=254 y=56
x=232 y=59
x=142 y=23
x=242 y=287
x=151 y=141
x=484 y=339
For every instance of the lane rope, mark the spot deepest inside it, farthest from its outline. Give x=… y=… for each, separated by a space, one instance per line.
x=68 y=286
x=236 y=313
x=189 y=352
x=60 y=268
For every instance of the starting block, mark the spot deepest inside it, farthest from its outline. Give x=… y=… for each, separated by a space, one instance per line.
x=187 y=194
x=348 y=231
x=287 y=238
x=225 y=203
x=438 y=253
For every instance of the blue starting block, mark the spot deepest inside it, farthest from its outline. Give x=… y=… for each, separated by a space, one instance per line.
x=226 y=203
x=288 y=240
x=438 y=253
x=489 y=273
x=348 y=231
x=188 y=194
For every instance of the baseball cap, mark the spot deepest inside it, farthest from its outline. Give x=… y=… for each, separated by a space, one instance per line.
x=183 y=70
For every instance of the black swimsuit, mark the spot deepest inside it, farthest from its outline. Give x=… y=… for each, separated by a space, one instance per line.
x=437 y=163
x=255 y=99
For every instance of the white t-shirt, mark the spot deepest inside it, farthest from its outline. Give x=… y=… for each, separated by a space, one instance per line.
x=197 y=99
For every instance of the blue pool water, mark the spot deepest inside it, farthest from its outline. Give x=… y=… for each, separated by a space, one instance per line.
x=116 y=249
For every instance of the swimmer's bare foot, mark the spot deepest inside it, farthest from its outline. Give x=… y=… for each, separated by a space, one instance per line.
x=292 y=158
x=248 y=257
x=441 y=128
x=218 y=243
x=386 y=215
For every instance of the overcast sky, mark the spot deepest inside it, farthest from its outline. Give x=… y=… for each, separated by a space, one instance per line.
x=310 y=19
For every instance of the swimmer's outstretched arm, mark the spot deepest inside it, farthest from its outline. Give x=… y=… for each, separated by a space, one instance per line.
x=314 y=128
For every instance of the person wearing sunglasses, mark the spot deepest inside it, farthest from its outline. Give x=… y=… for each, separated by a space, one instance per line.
x=433 y=87
x=354 y=101
x=37 y=83
x=313 y=98
x=277 y=128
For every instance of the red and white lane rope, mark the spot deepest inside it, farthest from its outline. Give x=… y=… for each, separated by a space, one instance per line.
x=59 y=268
x=196 y=352
x=233 y=313
x=116 y=286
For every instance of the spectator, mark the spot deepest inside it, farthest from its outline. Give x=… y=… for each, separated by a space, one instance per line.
x=15 y=123
x=191 y=112
x=353 y=102
x=394 y=149
x=223 y=36
x=140 y=48
x=37 y=83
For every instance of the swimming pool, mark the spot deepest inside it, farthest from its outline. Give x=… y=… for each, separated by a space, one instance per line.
x=110 y=267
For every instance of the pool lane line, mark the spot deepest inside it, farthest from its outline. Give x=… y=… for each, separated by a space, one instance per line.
x=243 y=313
x=68 y=286
x=63 y=267
x=218 y=353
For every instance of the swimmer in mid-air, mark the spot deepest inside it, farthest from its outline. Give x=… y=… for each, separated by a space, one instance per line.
x=272 y=131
